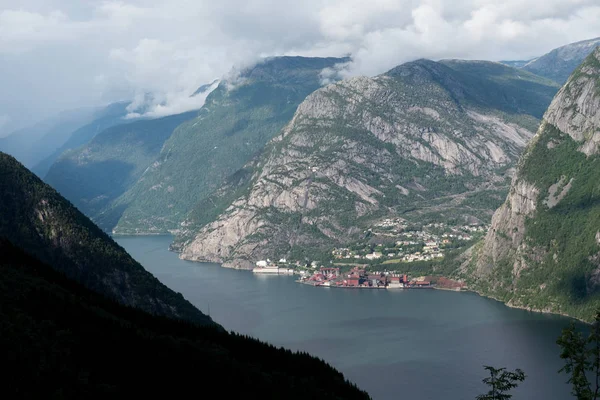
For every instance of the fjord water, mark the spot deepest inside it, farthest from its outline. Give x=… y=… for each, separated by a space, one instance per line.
x=396 y=344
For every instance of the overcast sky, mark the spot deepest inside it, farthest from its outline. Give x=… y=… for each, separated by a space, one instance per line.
x=63 y=54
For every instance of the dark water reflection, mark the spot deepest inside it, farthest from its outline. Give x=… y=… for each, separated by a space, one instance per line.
x=419 y=344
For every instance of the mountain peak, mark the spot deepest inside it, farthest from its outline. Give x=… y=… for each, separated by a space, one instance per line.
x=421 y=68
x=576 y=108
x=290 y=70
x=560 y=62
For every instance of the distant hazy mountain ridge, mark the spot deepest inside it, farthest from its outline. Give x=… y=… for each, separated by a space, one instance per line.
x=561 y=62
x=111 y=115
x=32 y=144
x=94 y=175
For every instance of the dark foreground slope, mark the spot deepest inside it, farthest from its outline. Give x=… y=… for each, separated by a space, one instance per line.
x=60 y=340
x=34 y=217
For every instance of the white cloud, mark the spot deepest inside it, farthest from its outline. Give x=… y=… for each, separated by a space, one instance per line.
x=91 y=52
x=172 y=103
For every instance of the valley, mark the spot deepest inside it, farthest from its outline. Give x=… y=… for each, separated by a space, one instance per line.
x=401 y=172
x=300 y=201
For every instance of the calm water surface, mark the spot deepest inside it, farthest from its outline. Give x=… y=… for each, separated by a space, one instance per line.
x=411 y=344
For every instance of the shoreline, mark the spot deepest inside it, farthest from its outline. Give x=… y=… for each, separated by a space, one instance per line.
x=530 y=309
x=367 y=287
x=462 y=290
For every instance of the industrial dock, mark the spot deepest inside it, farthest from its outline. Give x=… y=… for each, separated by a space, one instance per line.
x=358 y=278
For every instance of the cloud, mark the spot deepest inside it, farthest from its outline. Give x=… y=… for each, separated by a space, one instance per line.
x=172 y=103
x=58 y=54
x=477 y=29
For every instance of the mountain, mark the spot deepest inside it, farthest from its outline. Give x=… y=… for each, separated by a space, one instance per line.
x=561 y=62
x=542 y=251
x=104 y=118
x=239 y=117
x=32 y=144
x=93 y=176
x=427 y=140
x=61 y=340
x=36 y=219
x=516 y=63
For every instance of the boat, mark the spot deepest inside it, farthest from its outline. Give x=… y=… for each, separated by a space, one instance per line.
x=274 y=270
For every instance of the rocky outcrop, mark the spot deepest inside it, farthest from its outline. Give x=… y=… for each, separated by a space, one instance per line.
x=540 y=251
x=574 y=110
x=505 y=238
x=357 y=150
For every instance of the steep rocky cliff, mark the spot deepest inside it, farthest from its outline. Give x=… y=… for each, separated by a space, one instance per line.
x=422 y=140
x=543 y=248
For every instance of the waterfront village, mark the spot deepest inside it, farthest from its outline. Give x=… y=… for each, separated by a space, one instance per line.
x=389 y=246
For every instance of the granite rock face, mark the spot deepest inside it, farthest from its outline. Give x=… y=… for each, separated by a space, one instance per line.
x=359 y=150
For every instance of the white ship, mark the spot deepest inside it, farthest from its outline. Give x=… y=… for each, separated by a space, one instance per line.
x=265 y=267
x=273 y=271
x=267 y=270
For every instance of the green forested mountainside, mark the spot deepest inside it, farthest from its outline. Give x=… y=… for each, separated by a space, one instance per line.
x=32 y=144
x=93 y=176
x=426 y=141
x=497 y=86
x=237 y=120
x=60 y=340
x=561 y=62
x=106 y=117
x=543 y=248
x=34 y=217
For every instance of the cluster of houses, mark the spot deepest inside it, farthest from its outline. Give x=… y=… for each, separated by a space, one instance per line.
x=410 y=245
x=359 y=278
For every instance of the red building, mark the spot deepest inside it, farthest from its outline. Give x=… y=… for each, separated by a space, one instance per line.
x=352 y=281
